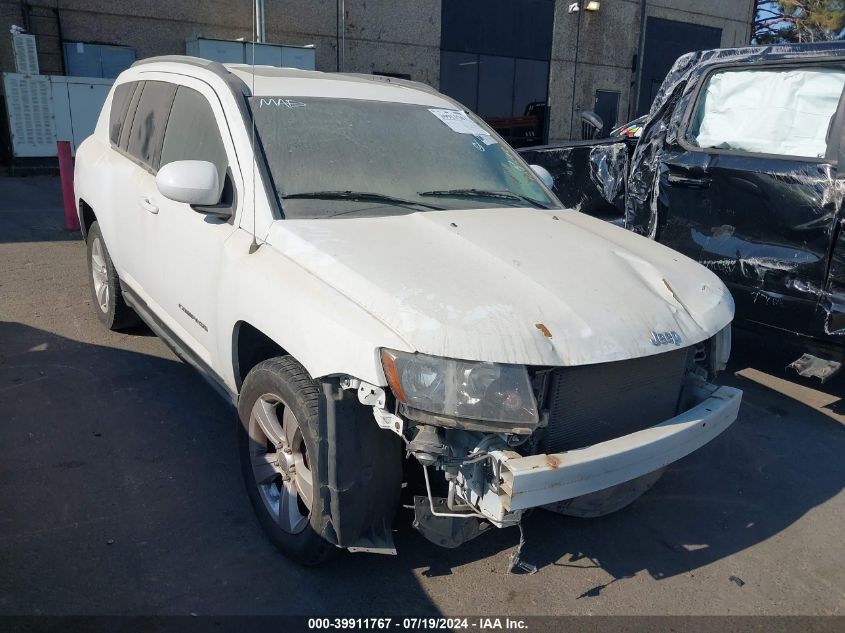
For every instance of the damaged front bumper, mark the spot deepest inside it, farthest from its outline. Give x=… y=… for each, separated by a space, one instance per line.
x=537 y=480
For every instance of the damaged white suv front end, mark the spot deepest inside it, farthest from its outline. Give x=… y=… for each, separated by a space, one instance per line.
x=584 y=441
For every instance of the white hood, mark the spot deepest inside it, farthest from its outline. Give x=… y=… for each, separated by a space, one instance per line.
x=511 y=285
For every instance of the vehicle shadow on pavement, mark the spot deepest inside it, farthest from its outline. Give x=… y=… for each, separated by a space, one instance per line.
x=121 y=494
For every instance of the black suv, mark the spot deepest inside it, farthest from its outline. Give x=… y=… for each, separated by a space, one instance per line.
x=737 y=168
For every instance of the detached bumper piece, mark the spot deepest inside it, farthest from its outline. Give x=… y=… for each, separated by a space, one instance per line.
x=537 y=480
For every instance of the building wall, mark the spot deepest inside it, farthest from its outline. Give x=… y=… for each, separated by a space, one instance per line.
x=608 y=40
x=393 y=36
x=400 y=36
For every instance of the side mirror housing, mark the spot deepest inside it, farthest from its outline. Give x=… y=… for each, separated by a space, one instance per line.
x=544 y=175
x=189 y=181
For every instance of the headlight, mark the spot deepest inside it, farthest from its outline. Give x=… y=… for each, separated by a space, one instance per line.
x=491 y=392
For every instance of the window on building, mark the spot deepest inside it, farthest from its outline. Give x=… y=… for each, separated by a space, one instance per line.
x=494 y=59
x=150 y=120
x=192 y=133
x=785 y=111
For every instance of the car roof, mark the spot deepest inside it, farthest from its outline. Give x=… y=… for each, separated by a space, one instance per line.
x=272 y=81
x=775 y=53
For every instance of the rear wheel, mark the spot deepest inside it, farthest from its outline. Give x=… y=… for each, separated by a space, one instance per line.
x=278 y=411
x=106 y=294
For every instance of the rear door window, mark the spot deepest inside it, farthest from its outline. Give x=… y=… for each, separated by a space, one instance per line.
x=783 y=111
x=192 y=133
x=119 y=106
x=149 y=122
x=130 y=115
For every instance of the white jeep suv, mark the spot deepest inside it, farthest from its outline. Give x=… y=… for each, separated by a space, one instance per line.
x=395 y=302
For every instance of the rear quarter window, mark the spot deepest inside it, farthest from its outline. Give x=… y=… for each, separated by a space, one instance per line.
x=119 y=105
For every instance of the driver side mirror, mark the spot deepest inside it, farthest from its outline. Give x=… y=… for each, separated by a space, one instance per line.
x=544 y=175
x=193 y=182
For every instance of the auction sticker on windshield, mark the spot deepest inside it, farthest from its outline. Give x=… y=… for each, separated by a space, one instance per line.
x=459 y=122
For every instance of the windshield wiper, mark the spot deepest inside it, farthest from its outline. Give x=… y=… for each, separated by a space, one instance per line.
x=358 y=196
x=482 y=193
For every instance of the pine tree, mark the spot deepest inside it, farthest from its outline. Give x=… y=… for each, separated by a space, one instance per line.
x=779 y=21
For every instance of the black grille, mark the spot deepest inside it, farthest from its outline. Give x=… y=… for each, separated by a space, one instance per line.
x=595 y=403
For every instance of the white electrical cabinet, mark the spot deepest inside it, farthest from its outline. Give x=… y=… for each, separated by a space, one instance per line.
x=77 y=102
x=43 y=109
x=29 y=109
x=26 y=54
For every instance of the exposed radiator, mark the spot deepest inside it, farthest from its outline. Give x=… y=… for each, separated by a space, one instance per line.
x=595 y=403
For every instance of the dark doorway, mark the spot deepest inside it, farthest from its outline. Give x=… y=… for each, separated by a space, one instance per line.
x=665 y=41
x=607 y=107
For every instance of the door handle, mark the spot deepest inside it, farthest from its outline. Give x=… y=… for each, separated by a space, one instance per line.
x=148 y=205
x=690 y=182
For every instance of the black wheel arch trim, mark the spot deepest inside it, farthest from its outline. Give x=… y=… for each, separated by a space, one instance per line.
x=360 y=472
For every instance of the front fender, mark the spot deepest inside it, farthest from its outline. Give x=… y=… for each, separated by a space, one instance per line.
x=323 y=329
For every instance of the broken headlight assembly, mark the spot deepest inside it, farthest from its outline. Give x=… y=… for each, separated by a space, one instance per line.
x=462 y=394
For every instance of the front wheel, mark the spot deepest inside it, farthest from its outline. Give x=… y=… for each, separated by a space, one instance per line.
x=603 y=502
x=278 y=408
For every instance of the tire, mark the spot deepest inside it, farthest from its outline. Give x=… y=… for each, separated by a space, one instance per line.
x=278 y=408
x=607 y=501
x=106 y=294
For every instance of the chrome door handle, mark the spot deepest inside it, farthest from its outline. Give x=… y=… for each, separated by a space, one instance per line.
x=148 y=205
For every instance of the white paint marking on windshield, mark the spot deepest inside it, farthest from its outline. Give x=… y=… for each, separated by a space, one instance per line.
x=278 y=103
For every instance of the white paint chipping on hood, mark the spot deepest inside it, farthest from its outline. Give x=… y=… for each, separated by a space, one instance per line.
x=474 y=284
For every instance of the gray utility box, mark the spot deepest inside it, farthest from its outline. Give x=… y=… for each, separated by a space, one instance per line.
x=97 y=60
x=236 y=52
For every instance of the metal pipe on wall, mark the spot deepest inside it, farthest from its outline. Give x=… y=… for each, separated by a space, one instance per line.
x=341 y=33
x=575 y=74
x=260 y=27
x=633 y=104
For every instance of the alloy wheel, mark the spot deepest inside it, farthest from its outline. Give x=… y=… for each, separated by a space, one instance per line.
x=100 y=274
x=280 y=465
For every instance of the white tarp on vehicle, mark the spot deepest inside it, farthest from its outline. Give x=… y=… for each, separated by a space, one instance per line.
x=769 y=111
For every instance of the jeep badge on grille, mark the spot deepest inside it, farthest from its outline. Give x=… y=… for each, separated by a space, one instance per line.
x=666 y=338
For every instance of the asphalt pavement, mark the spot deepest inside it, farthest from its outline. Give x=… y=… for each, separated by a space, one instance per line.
x=120 y=490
